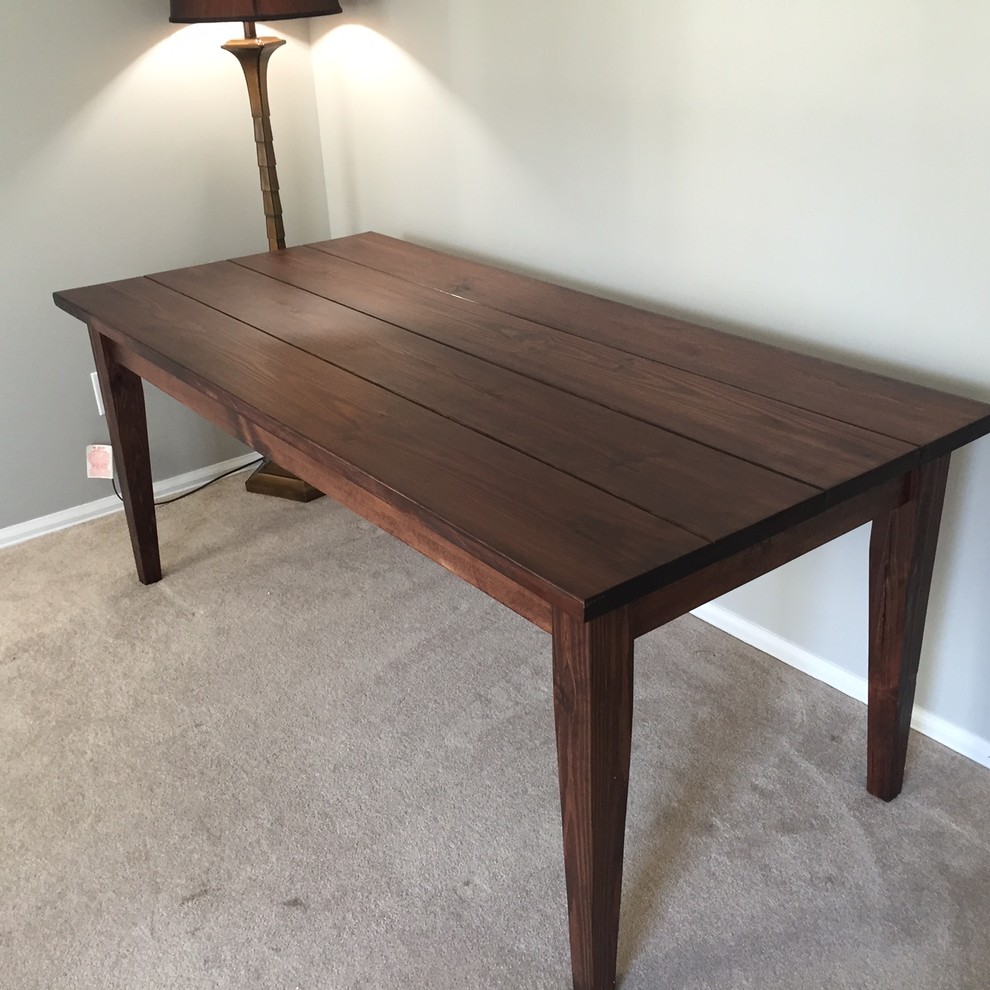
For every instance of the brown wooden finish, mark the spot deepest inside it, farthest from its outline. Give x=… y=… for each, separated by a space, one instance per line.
x=785 y=439
x=306 y=461
x=542 y=528
x=597 y=469
x=884 y=405
x=679 y=597
x=592 y=693
x=902 y=557
x=651 y=468
x=123 y=402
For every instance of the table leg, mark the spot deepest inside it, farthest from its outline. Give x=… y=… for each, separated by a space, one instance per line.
x=123 y=401
x=593 y=675
x=902 y=554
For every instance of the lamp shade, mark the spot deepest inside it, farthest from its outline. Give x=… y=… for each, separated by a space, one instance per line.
x=191 y=11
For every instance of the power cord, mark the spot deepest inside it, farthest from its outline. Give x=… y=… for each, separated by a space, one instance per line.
x=192 y=491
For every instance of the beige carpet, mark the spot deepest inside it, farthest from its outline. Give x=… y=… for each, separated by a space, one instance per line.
x=310 y=758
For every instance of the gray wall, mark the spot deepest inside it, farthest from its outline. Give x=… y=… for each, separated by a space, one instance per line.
x=808 y=172
x=127 y=147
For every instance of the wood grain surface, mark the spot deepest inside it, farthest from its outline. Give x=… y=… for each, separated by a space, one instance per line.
x=590 y=452
x=783 y=438
x=884 y=405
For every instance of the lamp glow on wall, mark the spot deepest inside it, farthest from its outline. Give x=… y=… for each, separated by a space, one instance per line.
x=253 y=53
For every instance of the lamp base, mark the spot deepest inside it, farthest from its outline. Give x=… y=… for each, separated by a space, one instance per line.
x=270 y=479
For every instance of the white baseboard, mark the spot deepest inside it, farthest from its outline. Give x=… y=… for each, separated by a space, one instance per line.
x=104 y=506
x=934 y=726
x=960 y=740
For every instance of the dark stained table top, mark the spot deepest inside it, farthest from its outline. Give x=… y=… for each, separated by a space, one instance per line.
x=598 y=449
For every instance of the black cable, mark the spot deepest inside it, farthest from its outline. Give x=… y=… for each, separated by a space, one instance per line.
x=192 y=491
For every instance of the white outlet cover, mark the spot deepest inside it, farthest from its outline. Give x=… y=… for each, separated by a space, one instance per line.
x=99 y=460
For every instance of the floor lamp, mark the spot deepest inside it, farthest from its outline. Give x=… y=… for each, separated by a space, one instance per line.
x=253 y=53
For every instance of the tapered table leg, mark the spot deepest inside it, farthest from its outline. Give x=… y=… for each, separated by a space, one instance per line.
x=902 y=554
x=593 y=674
x=123 y=401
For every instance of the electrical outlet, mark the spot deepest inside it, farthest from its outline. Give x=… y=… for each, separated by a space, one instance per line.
x=99 y=460
x=96 y=391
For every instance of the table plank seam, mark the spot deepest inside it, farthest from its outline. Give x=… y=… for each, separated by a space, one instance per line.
x=622 y=350
x=490 y=436
x=623 y=593
x=686 y=374
x=520 y=315
x=597 y=401
x=641 y=504
x=251 y=419
x=727 y=547
x=509 y=563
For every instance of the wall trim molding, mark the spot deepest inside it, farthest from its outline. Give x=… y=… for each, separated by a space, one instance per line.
x=959 y=740
x=167 y=488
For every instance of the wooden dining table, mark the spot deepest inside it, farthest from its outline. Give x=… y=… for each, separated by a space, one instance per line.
x=598 y=468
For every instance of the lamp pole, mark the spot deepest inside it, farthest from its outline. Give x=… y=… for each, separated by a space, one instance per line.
x=253 y=53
